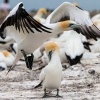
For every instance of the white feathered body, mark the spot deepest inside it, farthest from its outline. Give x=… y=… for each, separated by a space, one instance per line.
x=52 y=73
x=74 y=46
x=8 y=60
x=97 y=16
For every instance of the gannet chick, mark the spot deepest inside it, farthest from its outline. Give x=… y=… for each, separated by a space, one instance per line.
x=51 y=75
x=39 y=15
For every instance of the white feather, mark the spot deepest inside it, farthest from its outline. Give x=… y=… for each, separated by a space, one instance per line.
x=74 y=46
x=68 y=9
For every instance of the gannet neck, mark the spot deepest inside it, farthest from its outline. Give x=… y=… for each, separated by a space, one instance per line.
x=55 y=58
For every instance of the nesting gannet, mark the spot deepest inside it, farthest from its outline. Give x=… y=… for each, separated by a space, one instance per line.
x=51 y=76
x=97 y=23
x=79 y=16
x=26 y=31
x=73 y=47
x=97 y=16
x=39 y=15
x=8 y=58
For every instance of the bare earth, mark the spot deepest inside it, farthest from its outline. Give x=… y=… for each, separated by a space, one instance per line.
x=80 y=83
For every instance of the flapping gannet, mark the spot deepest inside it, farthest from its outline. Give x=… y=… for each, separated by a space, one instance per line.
x=79 y=16
x=51 y=76
x=26 y=31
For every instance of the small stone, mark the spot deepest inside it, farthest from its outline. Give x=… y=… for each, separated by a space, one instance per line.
x=91 y=72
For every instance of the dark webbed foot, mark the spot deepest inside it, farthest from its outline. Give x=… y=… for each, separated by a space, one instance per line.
x=46 y=96
x=58 y=96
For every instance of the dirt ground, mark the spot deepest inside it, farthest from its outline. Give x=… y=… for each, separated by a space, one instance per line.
x=80 y=83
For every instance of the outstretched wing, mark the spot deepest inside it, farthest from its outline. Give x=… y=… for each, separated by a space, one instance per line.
x=78 y=15
x=19 y=18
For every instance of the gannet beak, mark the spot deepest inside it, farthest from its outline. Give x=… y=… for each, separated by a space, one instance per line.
x=74 y=26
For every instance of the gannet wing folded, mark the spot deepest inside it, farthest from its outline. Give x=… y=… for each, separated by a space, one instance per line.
x=79 y=16
x=22 y=21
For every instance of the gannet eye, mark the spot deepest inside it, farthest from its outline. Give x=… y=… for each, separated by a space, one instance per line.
x=71 y=24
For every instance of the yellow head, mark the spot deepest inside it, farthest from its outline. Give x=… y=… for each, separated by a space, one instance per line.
x=96 y=23
x=68 y=25
x=75 y=4
x=5 y=53
x=51 y=46
x=42 y=11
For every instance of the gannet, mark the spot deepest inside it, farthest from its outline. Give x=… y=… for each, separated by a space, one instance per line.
x=6 y=57
x=39 y=15
x=97 y=16
x=97 y=23
x=79 y=16
x=51 y=76
x=26 y=31
x=73 y=47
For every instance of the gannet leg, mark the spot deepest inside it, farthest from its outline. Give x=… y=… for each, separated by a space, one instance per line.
x=45 y=94
x=28 y=59
x=58 y=96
